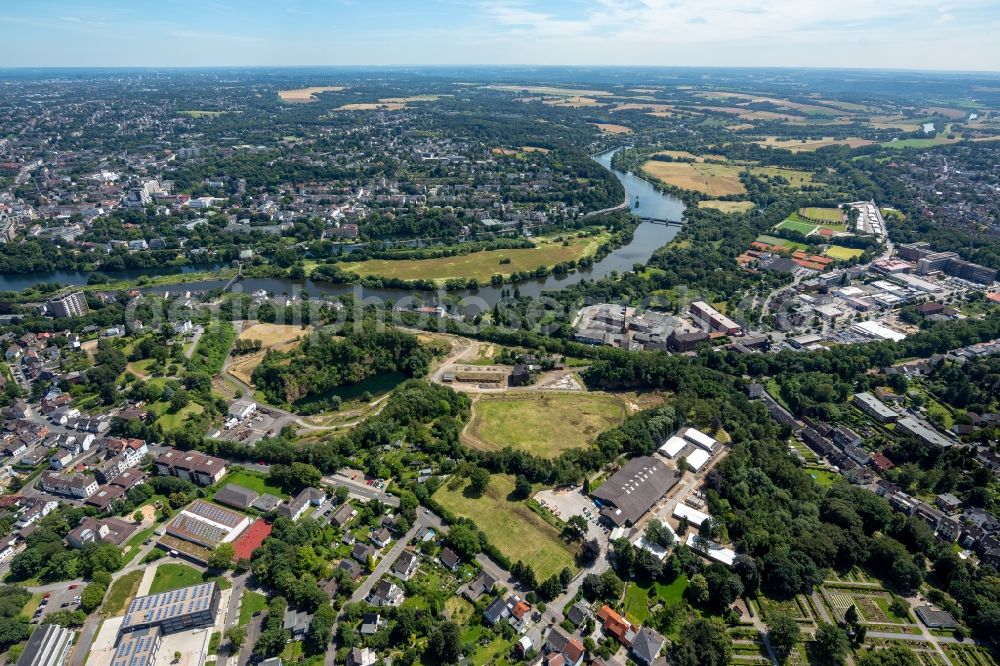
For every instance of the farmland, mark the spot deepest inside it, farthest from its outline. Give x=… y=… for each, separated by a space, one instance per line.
x=306 y=95
x=481 y=265
x=715 y=180
x=609 y=128
x=718 y=180
x=550 y=90
x=545 y=424
x=726 y=206
x=517 y=531
x=809 y=145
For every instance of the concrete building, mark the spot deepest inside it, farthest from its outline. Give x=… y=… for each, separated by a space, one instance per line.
x=191 y=465
x=714 y=319
x=875 y=408
x=177 y=610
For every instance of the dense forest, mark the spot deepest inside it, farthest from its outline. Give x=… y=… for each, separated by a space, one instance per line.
x=325 y=361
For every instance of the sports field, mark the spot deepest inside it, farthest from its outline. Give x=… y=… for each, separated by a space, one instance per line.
x=793 y=225
x=306 y=95
x=481 y=265
x=517 y=531
x=545 y=424
x=727 y=206
x=715 y=180
x=781 y=242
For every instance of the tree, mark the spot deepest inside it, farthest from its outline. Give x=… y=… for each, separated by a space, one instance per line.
x=659 y=534
x=321 y=629
x=897 y=655
x=236 y=635
x=576 y=528
x=590 y=550
x=296 y=476
x=179 y=400
x=340 y=494
x=479 y=479
x=137 y=516
x=444 y=644
x=703 y=643
x=851 y=615
x=92 y=597
x=830 y=646
x=522 y=488
x=222 y=557
x=464 y=540
x=783 y=633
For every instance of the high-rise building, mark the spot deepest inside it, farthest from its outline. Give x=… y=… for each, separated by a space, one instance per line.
x=70 y=305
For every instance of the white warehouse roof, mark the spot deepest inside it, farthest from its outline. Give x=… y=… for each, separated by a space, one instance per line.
x=694 y=516
x=696 y=436
x=673 y=446
x=697 y=459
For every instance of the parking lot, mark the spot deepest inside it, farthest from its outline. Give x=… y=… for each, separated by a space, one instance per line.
x=250 y=429
x=65 y=599
x=572 y=502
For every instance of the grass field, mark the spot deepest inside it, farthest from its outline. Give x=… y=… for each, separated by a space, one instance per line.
x=795 y=177
x=252 y=602
x=201 y=114
x=372 y=106
x=280 y=337
x=121 y=593
x=173 y=421
x=512 y=527
x=772 y=240
x=481 y=265
x=638 y=598
x=715 y=180
x=939 y=140
x=252 y=481
x=727 y=206
x=793 y=225
x=841 y=253
x=305 y=95
x=174 y=576
x=545 y=424
x=821 y=214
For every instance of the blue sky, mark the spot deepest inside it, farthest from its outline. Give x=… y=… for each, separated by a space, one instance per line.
x=916 y=34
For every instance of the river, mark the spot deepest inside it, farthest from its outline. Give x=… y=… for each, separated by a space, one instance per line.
x=648 y=238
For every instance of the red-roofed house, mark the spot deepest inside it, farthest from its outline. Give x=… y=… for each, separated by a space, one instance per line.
x=881 y=463
x=615 y=625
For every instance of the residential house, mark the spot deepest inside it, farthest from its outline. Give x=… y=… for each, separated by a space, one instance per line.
x=90 y=530
x=362 y=552
x=406 y=564
x=617 y=626
x=196 y=467
x=647 y=645
x=352 y=568
x=296 y=507
x=381 y=538
x=496 y=611
x=74 y=485
x=343 y=515
x=450 y=559
x=560 y=643
x=361 y=657
x=386 y=593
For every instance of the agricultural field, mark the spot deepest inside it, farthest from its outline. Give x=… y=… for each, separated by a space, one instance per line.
x=715 y=180
x=545 y=424
x=306 y=95
x=727 y=206
x=609 y=128
x=372 y=106
x=809 y=145
x=280 y=337
x=481 y=265
x=517 y=531
x=577 y=102
x=795 y=177
x=549 y=90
